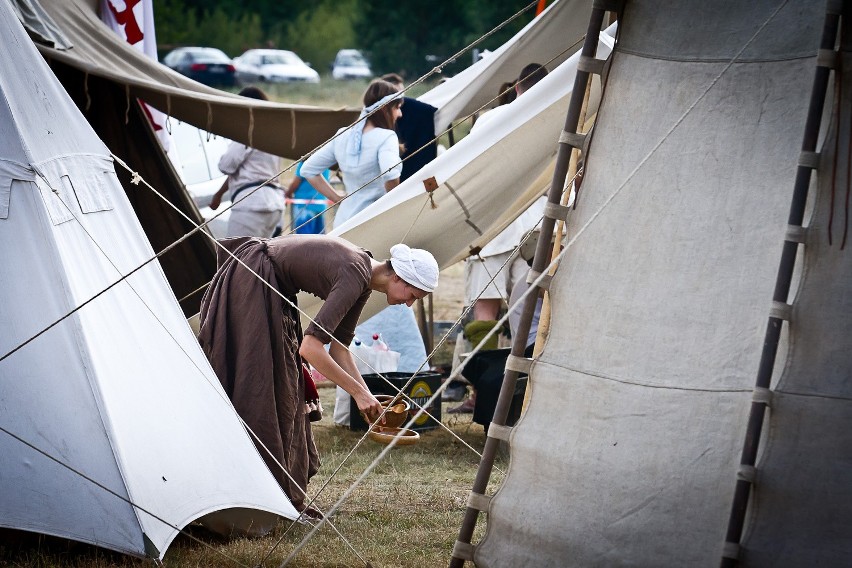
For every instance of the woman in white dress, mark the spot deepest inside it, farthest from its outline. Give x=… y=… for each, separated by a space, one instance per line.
x=367 y=154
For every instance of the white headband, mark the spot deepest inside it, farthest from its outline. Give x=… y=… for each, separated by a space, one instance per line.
x=416 y=266
x=353 y=146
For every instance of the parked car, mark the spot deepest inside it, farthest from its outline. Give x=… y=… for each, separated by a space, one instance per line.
x=350 y=64
x=273 y=66
x=206 y=65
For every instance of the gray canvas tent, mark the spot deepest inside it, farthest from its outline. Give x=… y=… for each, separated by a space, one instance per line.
x=642 y=442
x=104 y=76
x=114 y=429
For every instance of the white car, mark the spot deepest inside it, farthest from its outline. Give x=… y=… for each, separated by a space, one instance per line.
x=350 y=64
x=273 y=66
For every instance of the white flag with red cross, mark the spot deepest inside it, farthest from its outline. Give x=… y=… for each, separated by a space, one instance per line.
x=134 y=21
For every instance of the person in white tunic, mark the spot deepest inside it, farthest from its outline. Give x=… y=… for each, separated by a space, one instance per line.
x=369 y=158
x=252 y=186
x=487 y=284
x=486 y=296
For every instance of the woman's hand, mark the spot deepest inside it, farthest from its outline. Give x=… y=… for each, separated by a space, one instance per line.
x=319 y=183
x=369 y=406
x=337 y=365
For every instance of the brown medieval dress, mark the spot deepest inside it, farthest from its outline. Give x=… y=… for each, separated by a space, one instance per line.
x=251 y=337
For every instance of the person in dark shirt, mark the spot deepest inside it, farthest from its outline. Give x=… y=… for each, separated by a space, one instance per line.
x=415 y=129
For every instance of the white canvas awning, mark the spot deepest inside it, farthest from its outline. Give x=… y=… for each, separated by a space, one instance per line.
x=547 y=40
x=483 y=183
x=286 y=130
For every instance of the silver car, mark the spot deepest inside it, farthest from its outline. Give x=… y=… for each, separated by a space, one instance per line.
x=350 y=64
x=273 y=66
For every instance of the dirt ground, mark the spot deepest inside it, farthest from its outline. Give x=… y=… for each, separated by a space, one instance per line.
x=448 y=298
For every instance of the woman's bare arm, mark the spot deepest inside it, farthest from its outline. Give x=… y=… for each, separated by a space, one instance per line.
x=294 y=185
x=346 y=376
x=217 y=197
x=319 y=183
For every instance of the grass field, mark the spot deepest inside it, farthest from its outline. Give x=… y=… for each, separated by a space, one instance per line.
x=329 y=93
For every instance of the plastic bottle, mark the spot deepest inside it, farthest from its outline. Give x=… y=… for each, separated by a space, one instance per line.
x=379 y=343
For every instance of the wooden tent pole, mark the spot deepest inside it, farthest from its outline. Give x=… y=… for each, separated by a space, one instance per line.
x=424 y=322
x=544 y=320
x=463 y=550
x=748 y=458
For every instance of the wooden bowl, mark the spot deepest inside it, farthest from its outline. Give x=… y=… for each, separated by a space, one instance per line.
x=397 y=412
x=385 y=435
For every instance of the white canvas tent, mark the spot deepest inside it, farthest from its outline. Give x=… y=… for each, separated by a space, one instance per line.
x=629 y=450
x=546 y=40
x=483 y=183
x=113 y=428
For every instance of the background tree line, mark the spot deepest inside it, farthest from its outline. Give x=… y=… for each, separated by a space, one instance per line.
x=396 y=36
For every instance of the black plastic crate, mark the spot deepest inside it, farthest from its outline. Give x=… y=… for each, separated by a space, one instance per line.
x=420 y=390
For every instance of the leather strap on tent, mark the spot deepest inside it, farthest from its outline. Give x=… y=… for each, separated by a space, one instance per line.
x=556 y=211
x=544 y=284
x=761 y=395
x=796 y=234
x=573 y=139
x=809 y=160
x=518 y=364
x=478 y=501
x=463 y=550
x=781 y=310
x=499 y=432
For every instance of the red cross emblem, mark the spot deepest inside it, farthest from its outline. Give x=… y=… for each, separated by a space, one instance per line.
x=128 y=19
